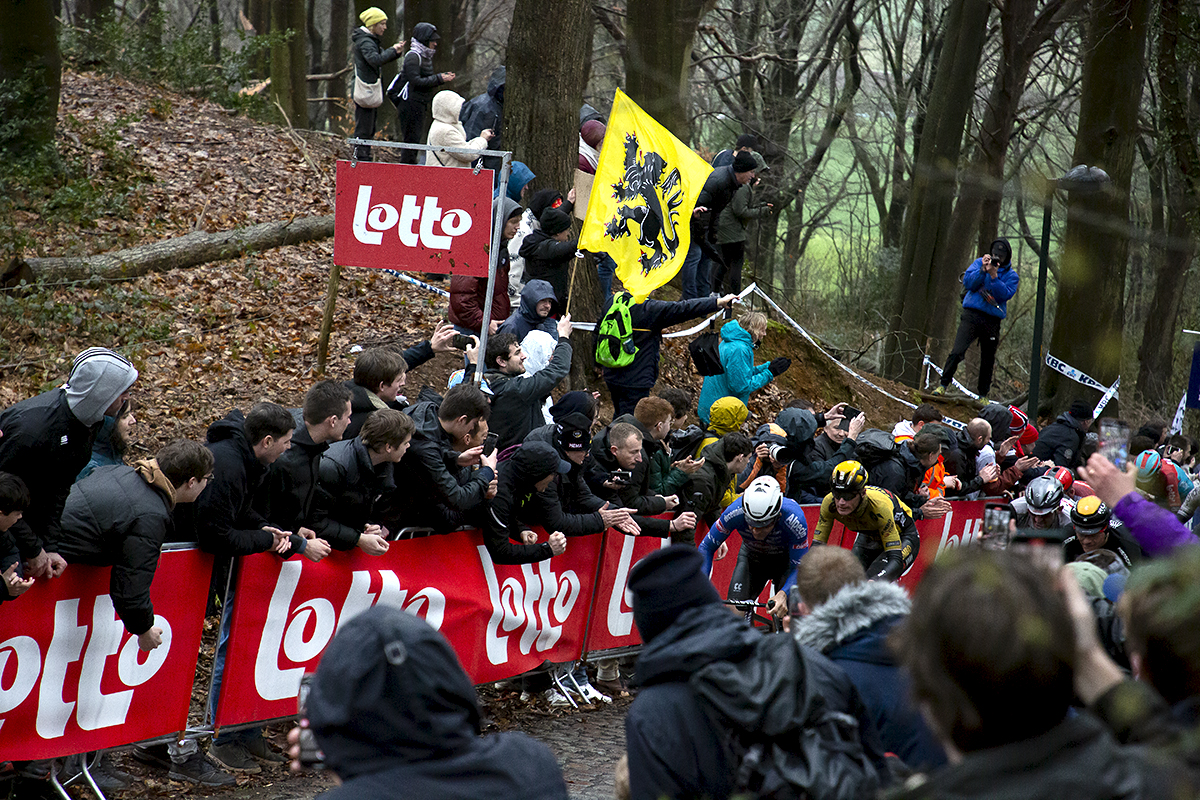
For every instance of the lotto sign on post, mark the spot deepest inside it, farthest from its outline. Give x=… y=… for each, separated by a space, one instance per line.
x=415 y=218
x=72 y=679
x=501 y=620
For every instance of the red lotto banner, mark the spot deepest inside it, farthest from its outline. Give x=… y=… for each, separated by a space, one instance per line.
x=72 y=679
x=501 y=620
x=399 y=216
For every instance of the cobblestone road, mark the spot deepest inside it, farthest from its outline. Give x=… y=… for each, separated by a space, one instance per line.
x=587 y=743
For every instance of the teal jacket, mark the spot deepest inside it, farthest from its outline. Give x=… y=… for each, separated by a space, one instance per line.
x=741 y=377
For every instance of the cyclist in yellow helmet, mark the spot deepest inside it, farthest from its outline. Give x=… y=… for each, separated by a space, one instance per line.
x=887 y=541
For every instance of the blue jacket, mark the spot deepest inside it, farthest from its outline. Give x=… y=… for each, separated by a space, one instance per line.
x=741 y=377
x=987 y=294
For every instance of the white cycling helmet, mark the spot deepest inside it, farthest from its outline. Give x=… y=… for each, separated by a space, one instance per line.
x=762 y=502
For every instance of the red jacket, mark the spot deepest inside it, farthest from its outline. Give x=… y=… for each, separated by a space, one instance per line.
x=467 y=296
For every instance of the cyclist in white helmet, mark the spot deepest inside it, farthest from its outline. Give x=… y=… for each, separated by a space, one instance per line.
x=774 y=539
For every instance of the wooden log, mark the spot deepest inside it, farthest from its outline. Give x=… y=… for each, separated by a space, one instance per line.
x=182 y=252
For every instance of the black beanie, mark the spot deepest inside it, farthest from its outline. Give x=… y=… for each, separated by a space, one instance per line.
x=746 y=140
x=744 y=162
x=574 y=433
x=665 y=583
x=1080 y=410
x=554 y=221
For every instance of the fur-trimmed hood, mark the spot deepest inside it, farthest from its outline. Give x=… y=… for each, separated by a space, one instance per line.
x=854 y=609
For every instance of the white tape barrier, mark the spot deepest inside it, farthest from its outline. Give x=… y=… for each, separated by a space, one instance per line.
x=1109 y=394
x=1177 y=422
x=591 y=326
x=1074 y=374
x=930 y=365
x=951 y=422
x=415 y=282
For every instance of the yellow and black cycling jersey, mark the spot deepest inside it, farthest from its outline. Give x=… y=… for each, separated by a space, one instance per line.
x=876 y=516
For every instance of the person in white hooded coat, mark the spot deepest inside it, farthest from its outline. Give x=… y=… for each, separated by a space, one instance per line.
x=447 y=131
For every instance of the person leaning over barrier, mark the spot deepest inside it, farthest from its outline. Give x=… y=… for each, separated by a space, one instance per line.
x=14 y=499
x=514 y=510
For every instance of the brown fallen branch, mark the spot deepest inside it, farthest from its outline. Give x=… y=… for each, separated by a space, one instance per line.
x=181 y=252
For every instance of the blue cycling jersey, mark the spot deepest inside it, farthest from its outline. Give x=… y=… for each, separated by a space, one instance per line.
x=790 y=535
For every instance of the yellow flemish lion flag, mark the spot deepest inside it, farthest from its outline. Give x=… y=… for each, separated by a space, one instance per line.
x=640 y=208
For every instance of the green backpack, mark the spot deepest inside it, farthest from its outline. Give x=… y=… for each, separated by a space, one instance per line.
x=614 y=334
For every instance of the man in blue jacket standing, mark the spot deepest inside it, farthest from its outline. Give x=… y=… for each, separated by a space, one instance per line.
x=990 y=281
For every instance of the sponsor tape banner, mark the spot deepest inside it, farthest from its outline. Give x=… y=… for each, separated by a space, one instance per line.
x=1074 y=374
x=501 y=620
x=72 y=679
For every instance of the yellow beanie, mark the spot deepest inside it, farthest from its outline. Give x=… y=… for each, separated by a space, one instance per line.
x=372 y=17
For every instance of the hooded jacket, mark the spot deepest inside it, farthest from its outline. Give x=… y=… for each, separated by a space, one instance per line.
x=428 y=473
x=369 y=54
x=851 y=628
x=526 y=319
x=484 y=111
x=285 y=498
x=717 y=193
x=418 y=74
x=808 y=477
x=1061 y=441
x=568 y=504
x=45 y=445
x=709 y=674
x=120 y=517
x=396 y=715
x=226 y=522
x=518 y=177
x=468 y=295
x=514 y=507
x=517 y=399
x=548 y=259
x=649 y=319
x=987 y=294
x=447 y=131
x=740 y=377
x=349 y=488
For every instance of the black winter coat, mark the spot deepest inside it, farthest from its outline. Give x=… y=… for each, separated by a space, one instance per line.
x=649 y=320
x=710 y=482
x=428 y=474
x=514 y=509
x=636 y=494
x=45 y=445
x=226 y=522
x=113 y=517
x=349 y=488
x=285 y=498
x=361 y=404
x=526 y=319
x=568 y=504
x=369 y=55
x=717 y=193
x=1061 y=442
x=421 y=79
x=550 y=260
x=517 y=399
x=484 y=111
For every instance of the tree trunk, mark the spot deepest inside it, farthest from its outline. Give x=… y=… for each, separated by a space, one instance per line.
x=182 y=252
x=288 y=62
x=214 y=27
x=1090 y=316
x=316 y=65
x=259 y=14
x=544 y=87
x=31 y=71
x=152 y=18
x=339 y=50
x=933 y=188
x=658 y=53
x=89 y=12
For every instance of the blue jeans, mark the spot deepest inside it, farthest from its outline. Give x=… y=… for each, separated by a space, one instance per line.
x=225 y=737
x=605 y=268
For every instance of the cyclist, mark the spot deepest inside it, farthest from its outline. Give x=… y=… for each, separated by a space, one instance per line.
x=887 y=543
x=1095 y=529
x=1044 y=505
x=774 y=539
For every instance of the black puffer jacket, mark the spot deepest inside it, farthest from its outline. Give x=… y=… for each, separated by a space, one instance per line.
x=636 y=494
x=548 y=259
x=517 y=399
x=349 y=488
x=421 y=78
x=649 y=320
x=515 y=508
x=115 y=517
x=226 y=522
x=568 y=504
x=428 y=473
x=1061 y=442
x=46 y=446
x=369 y=55
x=1076 y=760
x=285 y=498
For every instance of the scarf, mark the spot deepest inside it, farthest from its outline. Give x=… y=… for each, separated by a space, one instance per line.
x=424 y=51
x=154 y=476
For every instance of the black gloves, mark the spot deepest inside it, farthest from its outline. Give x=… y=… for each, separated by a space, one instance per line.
x=779 y=366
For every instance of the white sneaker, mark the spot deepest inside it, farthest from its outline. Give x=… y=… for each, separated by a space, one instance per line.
x=555 y=698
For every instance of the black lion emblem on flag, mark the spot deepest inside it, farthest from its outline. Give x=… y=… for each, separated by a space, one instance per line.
x=648 y=195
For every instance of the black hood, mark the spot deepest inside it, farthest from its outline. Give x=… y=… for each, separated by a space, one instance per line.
x=425 y=32
x=532 y=462
x=697 y=637
x=390 y=688
x=232 y=426
x=495 y=87
x=1006 y=247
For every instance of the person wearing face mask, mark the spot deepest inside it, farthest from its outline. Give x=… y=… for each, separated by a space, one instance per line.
x=990 y=282
x=739 y=338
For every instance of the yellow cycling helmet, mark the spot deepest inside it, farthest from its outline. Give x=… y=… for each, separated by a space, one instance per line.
x=1090 y=515
x=849 y=477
